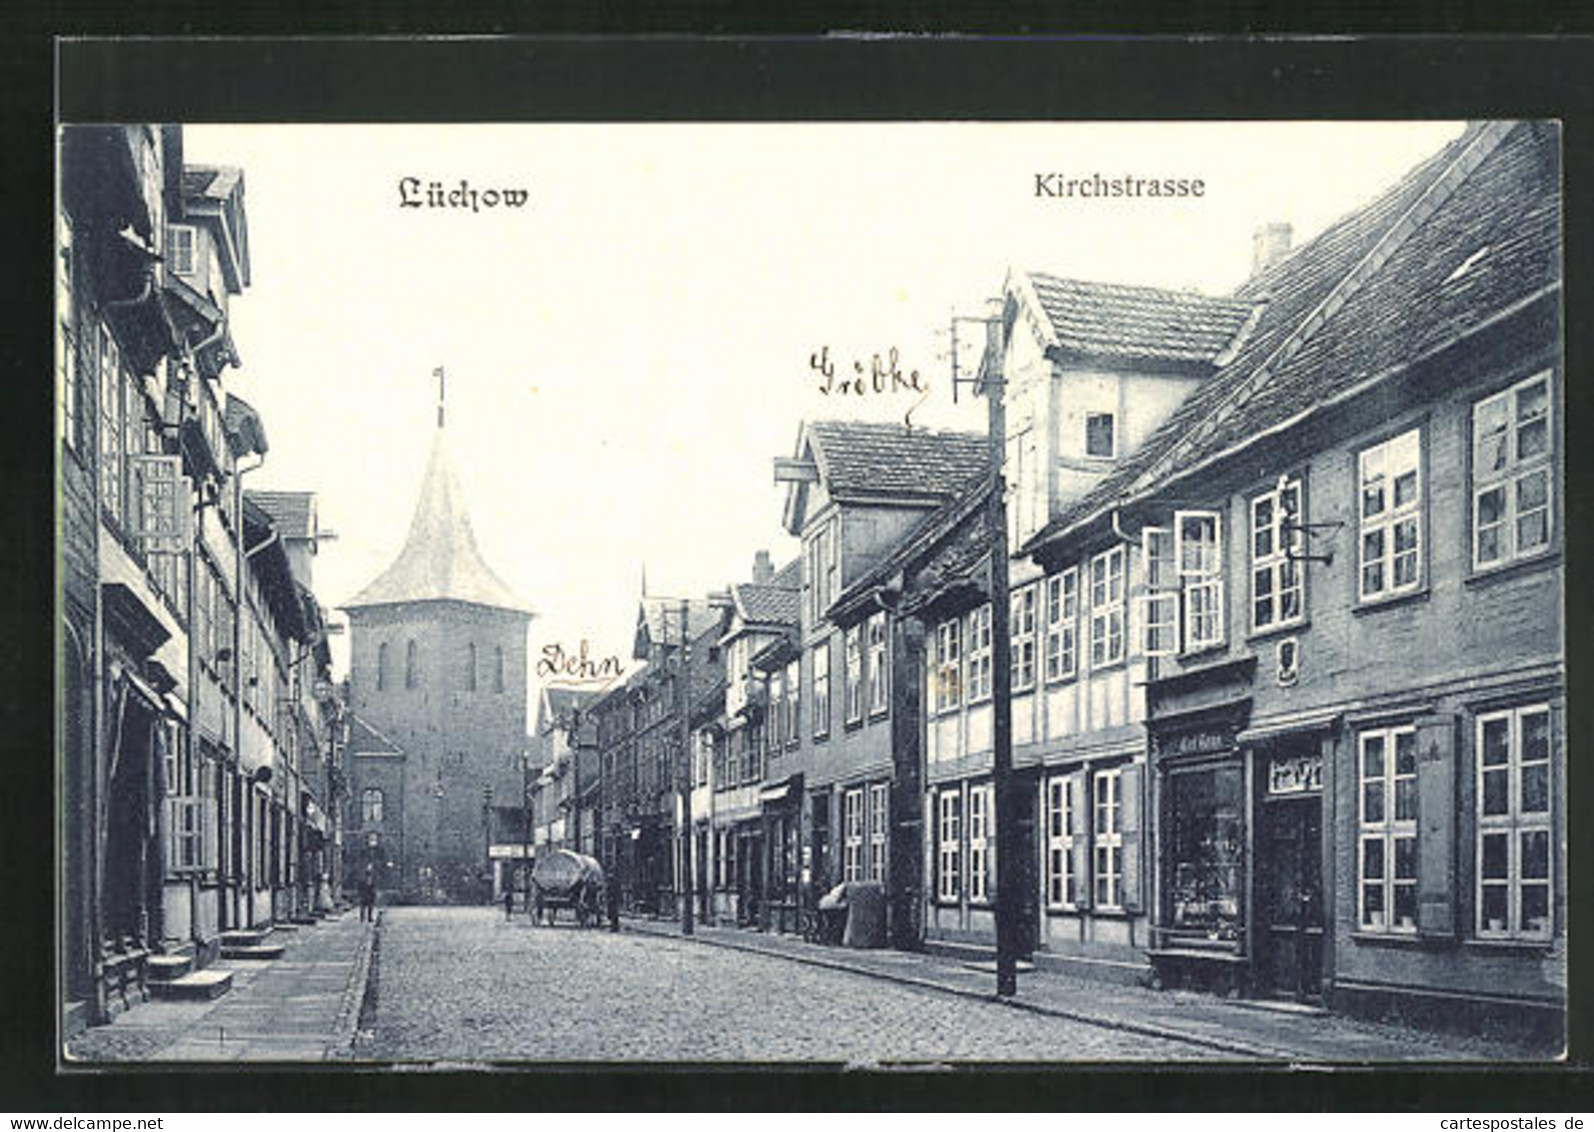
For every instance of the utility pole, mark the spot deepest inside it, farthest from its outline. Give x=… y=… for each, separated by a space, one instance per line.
x=1007 y=848
x=685 y=707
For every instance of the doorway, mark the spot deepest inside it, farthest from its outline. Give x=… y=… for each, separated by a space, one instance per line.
x=1289 y=857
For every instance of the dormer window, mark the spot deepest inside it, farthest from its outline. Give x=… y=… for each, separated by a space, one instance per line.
x=180 y=255
x=1100 y=436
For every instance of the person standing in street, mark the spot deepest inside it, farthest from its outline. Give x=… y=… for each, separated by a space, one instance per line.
x=612 y=899
x=509 y=904
x=367 y=899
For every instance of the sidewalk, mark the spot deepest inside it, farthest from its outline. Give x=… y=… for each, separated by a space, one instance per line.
x=301 y=1007
x=1248 y=1030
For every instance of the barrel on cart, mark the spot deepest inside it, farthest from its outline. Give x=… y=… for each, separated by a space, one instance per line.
x=567 y=879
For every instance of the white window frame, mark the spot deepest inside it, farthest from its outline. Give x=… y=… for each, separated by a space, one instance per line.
x=879 y=825
x=793 y=701
x=1374 y=465
x=852 y=696
x=879 y=665
x=1107 y=841
x=820 y=654
x=1159 y=605
x=373 y=801
x=1387 y=830
x=852 y=835
x=1021 y=643
x=949 y=857
x=1514 y=824
x=1062 y=828
x=1062 y=625
x=1200 y=566
x=1513 y=472
x=980 y=647
x=183 y=259
x=1276 y=570
x=982 y=842
x=1107 y=645
x=1112 y=431
x=66 y=361
x=949 y=664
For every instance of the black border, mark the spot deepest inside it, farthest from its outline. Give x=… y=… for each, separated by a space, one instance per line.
x=670 y=78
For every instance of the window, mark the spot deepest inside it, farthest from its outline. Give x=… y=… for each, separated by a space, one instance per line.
x=980 y=849
x=1513 y=850
x=498 y=668
x=824 y=569
x=1021 y=649
x=1511 y=473
x=793 y=699
x=111 y=437
x=412 y=674
x=852 y=835
x=1390 y=490
x=949 y=664
x=1109 y=840
x=371 y=806
x=879 y=673
x=980 y=654
x=1061 y=830
x=470 y=667
x=1107 y=607
x=180 y=255
x=853 y=694
x=1062 y=624
x=1387 y=851
x=185 y=804
x=878 y=824
x=821 y=660
x=1276 y=576
x=381 y=666
x=949 y=865
x=66 y=335
x=1099 y=435
x=1183 y=573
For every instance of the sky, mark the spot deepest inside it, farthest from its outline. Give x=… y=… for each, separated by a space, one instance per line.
x=628 y=352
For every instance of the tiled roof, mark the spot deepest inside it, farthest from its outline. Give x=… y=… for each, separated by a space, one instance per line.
x=292 y=512
x=439 y=561
x=865 y=458
x=767 y=603
x=1295 y=290
x=1142 y=323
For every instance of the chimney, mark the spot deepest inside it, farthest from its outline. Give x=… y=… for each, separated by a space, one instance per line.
x=763 y=568
x=1270 y=244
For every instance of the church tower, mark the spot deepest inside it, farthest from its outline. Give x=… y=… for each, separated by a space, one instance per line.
x=437 y=684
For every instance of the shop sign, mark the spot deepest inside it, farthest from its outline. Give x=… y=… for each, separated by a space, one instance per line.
x=1195 y=743
x=161 y=518
x=1295 y=775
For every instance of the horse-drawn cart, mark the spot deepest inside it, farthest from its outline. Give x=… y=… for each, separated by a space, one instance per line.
x=567 y=879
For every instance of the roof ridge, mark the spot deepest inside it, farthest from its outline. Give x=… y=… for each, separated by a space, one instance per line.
x=1440 y=188
x=1115 y=285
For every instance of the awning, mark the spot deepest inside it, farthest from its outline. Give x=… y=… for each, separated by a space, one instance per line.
x=781 y=791
x=1261 y=731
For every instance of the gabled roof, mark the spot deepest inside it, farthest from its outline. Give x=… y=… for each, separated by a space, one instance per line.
x=439 y=561
x=1118 y=321
x=1325 y=285
x=867 y=459
x=292 y=512
x=659 y=621
x=762 y=603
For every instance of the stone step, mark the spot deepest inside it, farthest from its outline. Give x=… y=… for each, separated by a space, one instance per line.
x=165 y=968
x=253 y=950
x=245 y=937
x=285 y=926
x=203 y=985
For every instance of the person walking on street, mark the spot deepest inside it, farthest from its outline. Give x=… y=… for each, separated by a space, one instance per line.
x=367 y=899
x=509 y=904
x=612 y=899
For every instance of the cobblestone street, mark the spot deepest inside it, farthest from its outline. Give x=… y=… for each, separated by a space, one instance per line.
x=464 y=985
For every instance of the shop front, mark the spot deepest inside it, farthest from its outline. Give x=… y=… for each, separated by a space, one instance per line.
x=781 y=907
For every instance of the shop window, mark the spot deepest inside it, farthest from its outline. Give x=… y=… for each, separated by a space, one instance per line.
x=1204 y=845
x=1062 y=624
x=981 y=843
x=371 y=806
x=852 y=696
x=1387 y=846
x=1276 y=577
x=1513 y=847
x=1063 y=841
x=852 y=835
x=1108 y=839
x=949 y=664
x=1511 y=477
x=1107 y=607
x=1021 y=648
x=1389 y=481
x=878 y=824
x=821 y=664
x=980 y=654
x=949 y=863
x=879 y=670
